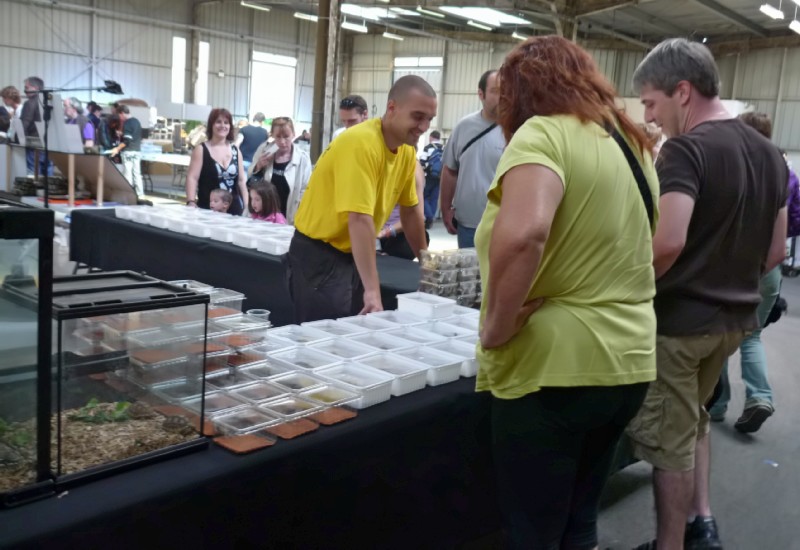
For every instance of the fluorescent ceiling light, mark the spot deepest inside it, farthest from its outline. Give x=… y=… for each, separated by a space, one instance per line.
x=487 y=16
x=472 y=23
x=403 y=11
x=795 y=26
x=354 y=27
x=771 y=11
x=392 y=36
x=306 y=16
x=519 y=36
x=253 y=6
x=384 y=1
x=364 y=12
x=429 y=12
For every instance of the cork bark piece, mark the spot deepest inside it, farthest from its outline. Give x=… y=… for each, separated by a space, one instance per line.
x=332 y=416
x=243 y=444
x=293 y=429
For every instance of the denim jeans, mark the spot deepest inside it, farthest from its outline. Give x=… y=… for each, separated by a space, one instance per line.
x=30 y=163
x=431 y=202
x=466 y=236
x=754 y=361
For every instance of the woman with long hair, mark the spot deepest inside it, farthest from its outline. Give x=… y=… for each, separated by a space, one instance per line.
x=217 y=164
x=285 y=165
x=568 y=333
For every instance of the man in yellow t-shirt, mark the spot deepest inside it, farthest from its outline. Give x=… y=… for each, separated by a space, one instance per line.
x=358 y=180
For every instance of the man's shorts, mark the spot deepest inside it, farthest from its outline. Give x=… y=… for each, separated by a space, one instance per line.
x=672 y=418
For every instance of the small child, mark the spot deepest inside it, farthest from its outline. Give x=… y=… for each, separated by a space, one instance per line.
x=265 y=204
x=220 y=200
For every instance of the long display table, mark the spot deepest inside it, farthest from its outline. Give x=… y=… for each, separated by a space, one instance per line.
x=99 y=239
x=413 y=472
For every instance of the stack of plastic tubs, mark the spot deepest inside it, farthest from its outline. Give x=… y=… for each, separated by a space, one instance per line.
x=452 y=274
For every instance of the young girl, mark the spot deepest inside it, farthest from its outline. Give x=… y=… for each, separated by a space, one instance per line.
x=265 y=204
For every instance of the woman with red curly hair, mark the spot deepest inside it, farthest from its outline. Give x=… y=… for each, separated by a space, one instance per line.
x=567 y=323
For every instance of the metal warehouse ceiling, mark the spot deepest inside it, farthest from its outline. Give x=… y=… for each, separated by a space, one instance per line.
x=724 y=24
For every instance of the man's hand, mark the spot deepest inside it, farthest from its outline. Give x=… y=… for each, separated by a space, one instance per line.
x=372 y=302
x=447 y=217
x=495 y=334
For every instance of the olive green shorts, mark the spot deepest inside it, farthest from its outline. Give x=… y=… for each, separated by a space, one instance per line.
x=665 y=430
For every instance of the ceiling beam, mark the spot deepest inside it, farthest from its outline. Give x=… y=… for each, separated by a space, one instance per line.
x=593 y=27
x=593 y=8
x=730 y=15
x=742 y=44
x=667 y=28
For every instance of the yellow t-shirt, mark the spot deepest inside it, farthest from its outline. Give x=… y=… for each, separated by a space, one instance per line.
x=357 y=173
x=597 y=326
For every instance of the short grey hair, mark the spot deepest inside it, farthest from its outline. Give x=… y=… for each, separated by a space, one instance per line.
x=76 y=104
x=674 y=60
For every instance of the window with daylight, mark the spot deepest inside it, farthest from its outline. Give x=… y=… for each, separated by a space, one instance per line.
x=201 y=85
x=178 y=69
x=266 y=70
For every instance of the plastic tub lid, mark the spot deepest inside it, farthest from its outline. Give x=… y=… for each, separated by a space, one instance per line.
x=399 y=367
x=176 y=391
x=356 y=376
x=296 y=381
x=215 y=401
x=370 y=323
x=344 y=349
x=456 y=347
x=416 y=336
x=446 y=329
x=157 y=339
x=264 y=369
x=382 y=341
x=305 y=358
x=398 y=317
x=209 y=348
x=223 y=295
x=434 y=358
x=291 y=407
x=472 y=339
x=244 y=323
x=427 y=299
x=225 y=379
x=336 y=328
x=330 y=395
x=257 y=391
x=245 y=420
x=154 y=358
x=299 y=334
x=272 y=344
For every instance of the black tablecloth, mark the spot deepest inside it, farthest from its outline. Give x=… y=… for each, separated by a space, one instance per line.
x=410 y=473
x=99 y=239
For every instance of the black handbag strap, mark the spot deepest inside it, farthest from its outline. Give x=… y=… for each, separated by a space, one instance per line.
x=638 y=173
x=476 y=138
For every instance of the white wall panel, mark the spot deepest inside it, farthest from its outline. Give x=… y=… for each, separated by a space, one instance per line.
x=759 y=73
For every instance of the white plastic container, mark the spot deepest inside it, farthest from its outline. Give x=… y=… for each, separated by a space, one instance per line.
x=264 y=370
x=468 y=311
x=141 y=215
x=275 y=244
x=245 y=420
x=179 y=224
x=415 y=337
x=159 y=220
x=216 y=401
x=471 y=339
x=224 y=297
x=293 y=382
x=223 y=380
x=446 y=329
x=425 y=305
x=469 y=322
x=258 y=392
x=175 y=392
x=399 y=318
x=409 y=375
x=206 y=228
x=272 y=344
x=383 y=341
x=300 y=335
x=291 y=407
x=336 y=329
x=225 y=233
x=124 y=212
x=443 y=367
x=304 y=358
x=330 y=395
x=369 y=323
x=469 y=367
x=374 y=386
x=346 y=350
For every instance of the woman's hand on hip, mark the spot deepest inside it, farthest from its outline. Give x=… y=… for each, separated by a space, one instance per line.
x=497 y=332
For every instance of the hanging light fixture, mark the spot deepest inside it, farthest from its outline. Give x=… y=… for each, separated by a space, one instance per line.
x=795 y=24
x=253 y=6
x=306 y=16
x=392 y=36
x=771 y=11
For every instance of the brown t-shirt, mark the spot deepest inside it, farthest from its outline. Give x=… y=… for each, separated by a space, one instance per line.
x=738 y=181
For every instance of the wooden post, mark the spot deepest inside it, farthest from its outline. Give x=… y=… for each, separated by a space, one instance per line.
x=100 y=167
x=71 y=180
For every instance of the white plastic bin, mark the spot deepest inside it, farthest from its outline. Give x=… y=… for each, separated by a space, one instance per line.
x=425 y=305
x=414 y=336
x=446 y=329
x=304 y=358
x=346 y=350
x=368 y=322
x=443 y=367
x=399 y=318
x=374 y=386
x=409 y=375
x=336 y=329
x=383 y=341
x=469 y=367
x=300 y=335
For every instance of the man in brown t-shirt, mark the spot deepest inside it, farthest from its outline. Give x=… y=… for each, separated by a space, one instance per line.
x=722 y=226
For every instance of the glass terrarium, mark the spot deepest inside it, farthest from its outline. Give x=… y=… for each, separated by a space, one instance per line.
x=26 y=252
x=127 y=356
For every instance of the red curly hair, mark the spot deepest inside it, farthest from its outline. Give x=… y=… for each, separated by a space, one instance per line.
x=549 y=75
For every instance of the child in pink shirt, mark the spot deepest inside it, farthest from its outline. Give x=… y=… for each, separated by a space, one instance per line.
x=265 y=204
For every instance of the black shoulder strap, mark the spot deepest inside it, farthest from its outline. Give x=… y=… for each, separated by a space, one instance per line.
x=476 y=138
x=638 y=173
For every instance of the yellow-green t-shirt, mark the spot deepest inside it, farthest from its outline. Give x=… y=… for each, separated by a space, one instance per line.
x=357 y=173
x=597 y=326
